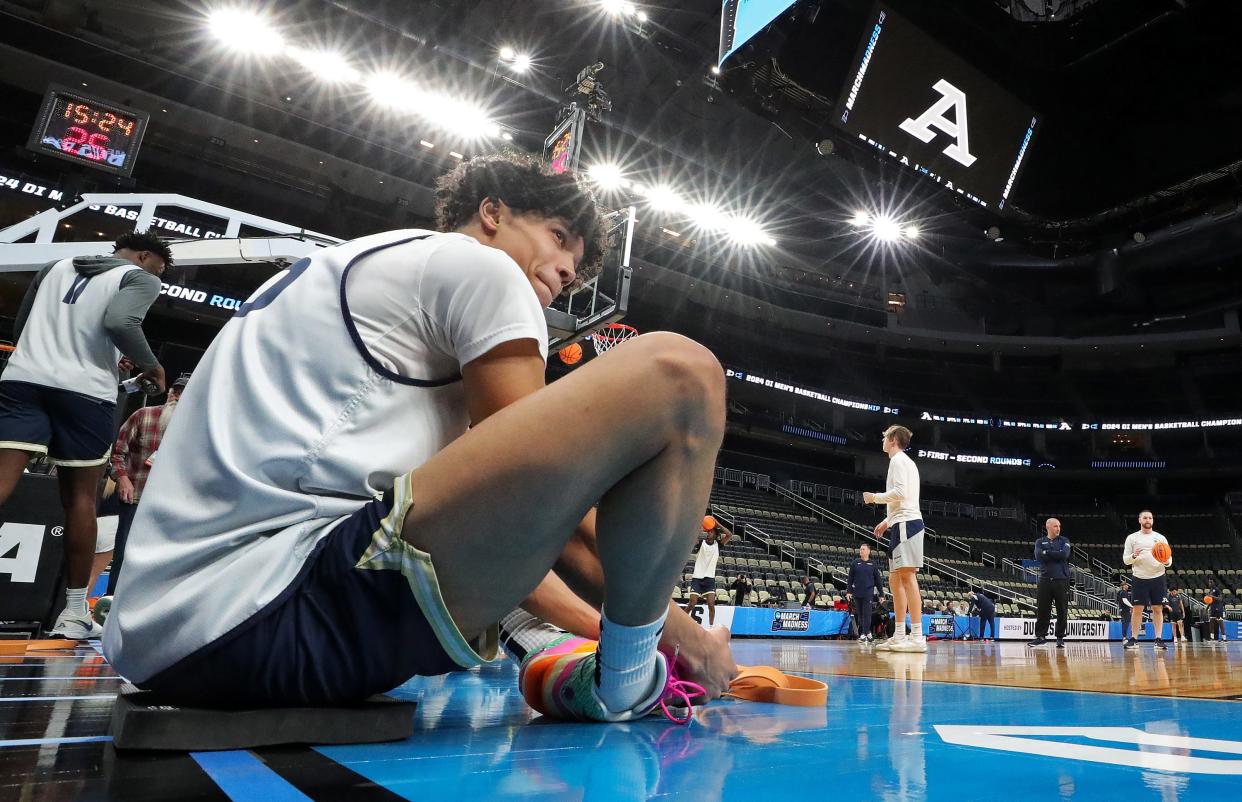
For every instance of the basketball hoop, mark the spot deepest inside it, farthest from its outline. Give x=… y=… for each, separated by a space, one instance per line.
x=611 y=336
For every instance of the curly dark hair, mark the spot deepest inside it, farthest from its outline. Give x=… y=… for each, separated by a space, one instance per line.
x=526 y=186
x=144 y=241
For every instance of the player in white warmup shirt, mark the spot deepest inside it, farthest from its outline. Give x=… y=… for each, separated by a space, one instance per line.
x=369 y=441
x=1149 y=581
x=904 y=526
x=58 y=392
x=703 y=579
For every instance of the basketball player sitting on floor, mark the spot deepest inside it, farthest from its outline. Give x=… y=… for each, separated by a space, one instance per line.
x=369 y=441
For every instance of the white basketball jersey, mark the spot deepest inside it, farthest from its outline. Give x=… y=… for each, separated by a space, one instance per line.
x=64 y=344
x=705 y=562
x=337 y=376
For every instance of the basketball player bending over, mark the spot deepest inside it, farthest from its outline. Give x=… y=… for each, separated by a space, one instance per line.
x=369 y=440
x=703 y=580
x=904 y=525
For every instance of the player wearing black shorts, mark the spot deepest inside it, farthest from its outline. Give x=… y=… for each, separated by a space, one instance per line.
x=58 y=395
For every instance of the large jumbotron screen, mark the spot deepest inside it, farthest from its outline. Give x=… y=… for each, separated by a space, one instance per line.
x=742 y=19
x=914 y=100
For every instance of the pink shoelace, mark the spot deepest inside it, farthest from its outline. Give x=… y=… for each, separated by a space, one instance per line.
x=679 y=691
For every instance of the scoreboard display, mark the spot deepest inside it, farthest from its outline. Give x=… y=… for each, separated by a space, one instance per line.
x=740 y=20
x=915 y=101
x=82 y=128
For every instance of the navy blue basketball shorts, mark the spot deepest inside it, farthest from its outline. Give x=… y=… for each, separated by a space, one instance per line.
x=1148 y=592
x=703 y=585
x=74 y=430
x=364 y=616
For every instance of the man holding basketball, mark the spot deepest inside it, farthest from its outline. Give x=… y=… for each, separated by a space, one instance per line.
x=1140 y=553
x=905 y=540
x=703 y=580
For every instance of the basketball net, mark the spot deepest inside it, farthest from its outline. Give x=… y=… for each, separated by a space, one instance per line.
x=611 y=336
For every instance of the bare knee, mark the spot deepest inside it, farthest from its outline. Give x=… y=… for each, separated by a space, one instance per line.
x=692 y=382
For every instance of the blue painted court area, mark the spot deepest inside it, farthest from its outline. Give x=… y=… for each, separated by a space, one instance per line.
x=877 y=739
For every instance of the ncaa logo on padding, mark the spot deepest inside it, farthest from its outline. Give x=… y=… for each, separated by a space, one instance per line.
x=921 y=128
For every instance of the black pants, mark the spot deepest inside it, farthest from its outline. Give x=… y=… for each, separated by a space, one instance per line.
x=990 y=621
x=118 y=553
x=862 y=614
x=1125 y=621
x=1050 y=590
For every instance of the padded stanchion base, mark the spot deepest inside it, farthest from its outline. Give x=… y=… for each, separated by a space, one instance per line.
x=141 y=721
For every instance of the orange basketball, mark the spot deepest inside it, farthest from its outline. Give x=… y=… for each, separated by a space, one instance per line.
x=709 y=523
x=1161 y=552
x=1208 y=599
x=571 y=354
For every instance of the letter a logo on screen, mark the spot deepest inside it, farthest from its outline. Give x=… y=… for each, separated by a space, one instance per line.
x=920 y=129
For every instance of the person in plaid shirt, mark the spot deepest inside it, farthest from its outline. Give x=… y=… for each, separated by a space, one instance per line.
x=135 y=444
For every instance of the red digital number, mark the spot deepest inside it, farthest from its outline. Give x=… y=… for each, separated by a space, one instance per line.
x=77 y=142
x=73 y=137
x=98 y=145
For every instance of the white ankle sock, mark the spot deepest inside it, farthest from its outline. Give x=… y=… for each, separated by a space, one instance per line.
x=522 y=633
x=627 y=664
x=75 y=601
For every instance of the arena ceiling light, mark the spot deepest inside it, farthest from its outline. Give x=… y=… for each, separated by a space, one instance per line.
x=326 y=65
x=245 y=31
x=462 y=117
x=607 y=177
x=518 y=62
x=663 y=198
x=884 y=227
x=619 y=8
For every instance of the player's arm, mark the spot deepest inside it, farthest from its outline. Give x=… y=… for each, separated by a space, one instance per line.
x=899 y=490
x=123 y=322
x=1126 y=555
x=725 y=535
x=554 y=602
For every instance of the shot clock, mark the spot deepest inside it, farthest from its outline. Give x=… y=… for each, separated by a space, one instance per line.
x=85 y=129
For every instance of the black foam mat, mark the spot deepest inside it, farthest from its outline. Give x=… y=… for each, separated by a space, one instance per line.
x=140 y=720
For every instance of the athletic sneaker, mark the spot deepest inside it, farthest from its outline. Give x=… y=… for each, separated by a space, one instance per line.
x=1037 y=642
x=1060 y=643
x=887 y=645
x=1131 y=644
x=910 y=644
x=103 y=606
x=1160 y=645
x=562 y=681
x=71 y=627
